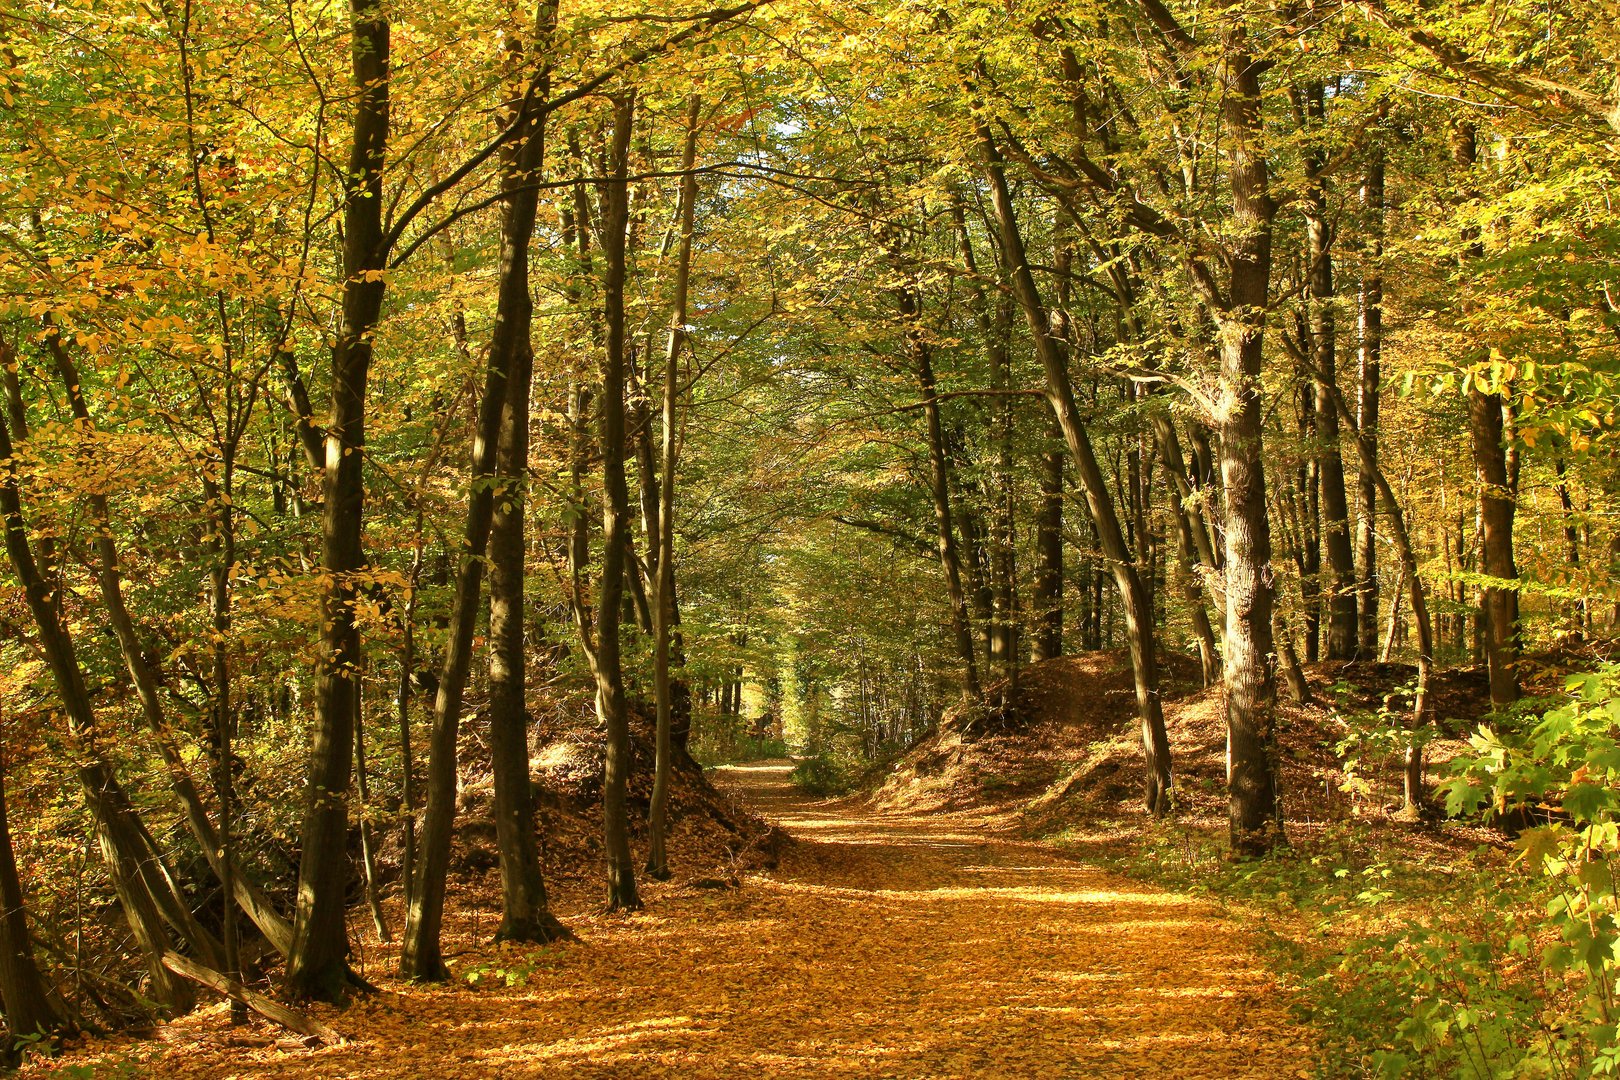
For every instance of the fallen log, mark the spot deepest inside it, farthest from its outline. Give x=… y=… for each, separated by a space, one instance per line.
x=267 y=1007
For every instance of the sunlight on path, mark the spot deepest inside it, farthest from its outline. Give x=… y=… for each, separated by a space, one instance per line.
x=885 y=946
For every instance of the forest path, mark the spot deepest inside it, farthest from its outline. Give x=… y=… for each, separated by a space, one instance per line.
x=885 y=945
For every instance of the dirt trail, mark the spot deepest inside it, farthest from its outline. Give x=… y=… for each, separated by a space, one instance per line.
x=884 y=946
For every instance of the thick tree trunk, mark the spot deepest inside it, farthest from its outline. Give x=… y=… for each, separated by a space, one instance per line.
x=1255 y=817
x=317 y=965
x=1060 y=393
x=525 y=913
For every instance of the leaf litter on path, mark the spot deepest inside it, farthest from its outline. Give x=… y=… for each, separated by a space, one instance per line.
x=885 y=945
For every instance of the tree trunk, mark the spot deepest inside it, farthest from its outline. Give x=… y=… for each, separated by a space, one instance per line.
x=611 y=706
x=1366 y=448
x=525 y=913
x=1496 y=511
x=1060 y=393
x=253 y=899
x=29 y=1008
x=317 y=965
x=1335 y=510
x=1499 y=607
x=920 y=352
x=664 y=580
x=1371 y=311
x=1255 y=817
x=368 y=843
x=1048 y=591
x=1192 y=567
x=125 y=844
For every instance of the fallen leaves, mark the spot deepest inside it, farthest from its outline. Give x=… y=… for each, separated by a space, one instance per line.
x=887 y=945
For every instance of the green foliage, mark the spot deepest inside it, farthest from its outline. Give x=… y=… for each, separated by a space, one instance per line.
x=822 y=774
x=711 y=751
x=1409 y=965
x=1565 y=771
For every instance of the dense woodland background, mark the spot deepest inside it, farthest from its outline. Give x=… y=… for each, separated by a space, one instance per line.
x=404 y=393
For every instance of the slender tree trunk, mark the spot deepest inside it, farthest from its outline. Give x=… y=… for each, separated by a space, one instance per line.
x=1309 y=499
x=402 y=704
x=1497 y=484
x=125 y=845
x=1191 y=568
x=1335 y=510
x=1421 y=708
x=1060 y=393
x=940 y=489
x=1572 y=545
x=1496 y=514
x=509 y=358
x=664 y=580
x=222 y=510
x=317 y=965
x=1371 y=311
x=611 y=706
x=368 y=843
x=1048 y=592
x=253 y=899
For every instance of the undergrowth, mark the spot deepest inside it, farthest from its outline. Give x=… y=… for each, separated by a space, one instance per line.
x=1410 y=964
x=823 y=774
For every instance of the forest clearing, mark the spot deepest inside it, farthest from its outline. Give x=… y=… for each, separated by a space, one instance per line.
x=894 y=538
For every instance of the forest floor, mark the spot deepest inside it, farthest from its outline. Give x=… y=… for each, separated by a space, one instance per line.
x=886 y=944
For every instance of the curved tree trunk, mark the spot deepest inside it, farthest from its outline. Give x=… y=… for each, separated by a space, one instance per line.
x=1060 y=393
x=125 y=845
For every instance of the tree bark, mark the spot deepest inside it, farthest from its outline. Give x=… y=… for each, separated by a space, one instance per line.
x=1060 y=393
x=611 y=706
x=525 y=908
x=1370 y=304
x=29 y=1008
x=317 y=964
x=920 y=354
x=1255 y=814
x=664 y=579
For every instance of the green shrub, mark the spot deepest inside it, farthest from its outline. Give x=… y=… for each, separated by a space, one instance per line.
x=822 y=775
